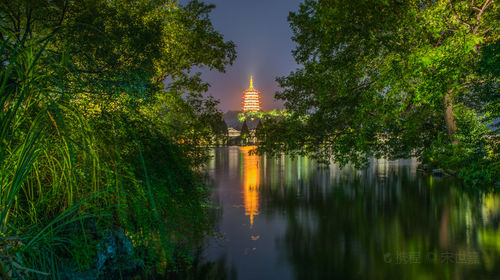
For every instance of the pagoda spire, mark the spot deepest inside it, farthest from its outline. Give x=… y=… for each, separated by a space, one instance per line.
x=251 y=82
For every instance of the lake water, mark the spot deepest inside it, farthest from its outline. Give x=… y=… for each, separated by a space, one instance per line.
x=287 y=218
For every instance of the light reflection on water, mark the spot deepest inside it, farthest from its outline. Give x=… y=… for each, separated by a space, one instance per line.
x=250 y=183
x=286 y=218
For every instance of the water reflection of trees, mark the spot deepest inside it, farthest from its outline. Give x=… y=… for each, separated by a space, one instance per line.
x=207 y=270
x=341 y=224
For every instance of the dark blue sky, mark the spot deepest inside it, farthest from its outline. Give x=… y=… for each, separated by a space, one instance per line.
x=262 y=36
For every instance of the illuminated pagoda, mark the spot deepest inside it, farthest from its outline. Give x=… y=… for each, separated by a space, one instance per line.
x=251 y=98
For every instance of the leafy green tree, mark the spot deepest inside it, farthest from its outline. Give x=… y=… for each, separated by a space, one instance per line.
x=222 y=133
x=259 y=131
x=103 y=117
x=245 y=133
x=384 y=78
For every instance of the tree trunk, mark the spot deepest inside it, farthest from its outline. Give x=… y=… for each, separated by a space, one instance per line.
x=449 y=119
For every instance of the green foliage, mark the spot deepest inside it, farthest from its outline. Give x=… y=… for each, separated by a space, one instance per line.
x=490 y=59
x=93 y=141
x=476 y=157
x=386 y=79
x=245 y=133
x=259 y=131
x=208 y=114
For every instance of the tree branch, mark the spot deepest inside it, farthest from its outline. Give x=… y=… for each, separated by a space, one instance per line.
x=362 y=86
x=457 y=17
x=478 y=17
x=65 y=6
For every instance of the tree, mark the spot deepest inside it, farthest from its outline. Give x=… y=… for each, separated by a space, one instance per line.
x=101 y=111
x=259 y=131
x=223 y=132
x=245 y=133
x=122 y=46
x=383 y=78
x=119 y=54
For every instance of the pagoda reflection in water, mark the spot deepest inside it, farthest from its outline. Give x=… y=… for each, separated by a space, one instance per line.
x=251 y=182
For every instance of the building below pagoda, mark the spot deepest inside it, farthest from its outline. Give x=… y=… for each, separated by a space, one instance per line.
x=234 y=125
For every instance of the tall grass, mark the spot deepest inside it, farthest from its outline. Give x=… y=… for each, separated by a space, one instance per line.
x=68 y=177
x=36 y=166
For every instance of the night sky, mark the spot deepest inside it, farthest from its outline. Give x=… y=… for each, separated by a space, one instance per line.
x=262 y=35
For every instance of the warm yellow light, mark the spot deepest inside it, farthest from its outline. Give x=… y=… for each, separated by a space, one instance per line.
x=251 y=183
x=251 y=98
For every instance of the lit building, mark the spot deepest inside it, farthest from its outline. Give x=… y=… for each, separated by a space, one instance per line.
x=251 y=98
x=231 y=132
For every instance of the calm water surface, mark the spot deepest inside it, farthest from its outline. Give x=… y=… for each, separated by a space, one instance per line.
x=288 y=218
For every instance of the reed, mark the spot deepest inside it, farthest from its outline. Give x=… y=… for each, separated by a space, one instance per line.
x=39 y=195
x=67 y=175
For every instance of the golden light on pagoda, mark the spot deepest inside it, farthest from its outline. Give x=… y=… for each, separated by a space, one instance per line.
x=251 y=98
